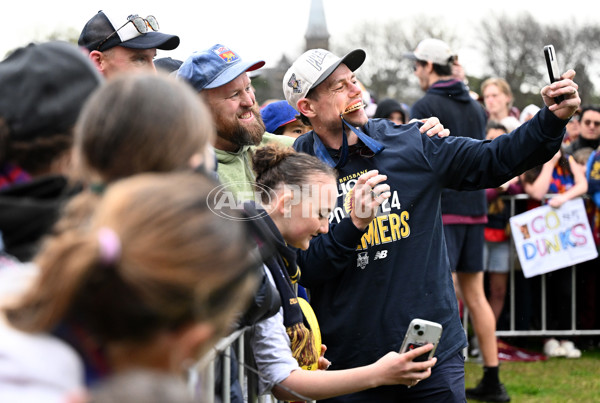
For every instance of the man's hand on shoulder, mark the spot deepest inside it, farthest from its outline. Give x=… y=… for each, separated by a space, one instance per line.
x=432 y=126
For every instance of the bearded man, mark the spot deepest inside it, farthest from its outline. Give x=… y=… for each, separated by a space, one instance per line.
x=220 y=76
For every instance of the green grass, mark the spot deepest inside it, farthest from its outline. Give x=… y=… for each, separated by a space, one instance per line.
x=557 y=380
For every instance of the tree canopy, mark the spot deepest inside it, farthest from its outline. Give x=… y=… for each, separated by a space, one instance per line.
x=507 y=47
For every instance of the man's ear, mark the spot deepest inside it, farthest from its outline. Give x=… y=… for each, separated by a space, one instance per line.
x=305 y=107
x=97 y=57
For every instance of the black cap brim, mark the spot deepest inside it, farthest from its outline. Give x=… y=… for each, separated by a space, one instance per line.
x=152 y=40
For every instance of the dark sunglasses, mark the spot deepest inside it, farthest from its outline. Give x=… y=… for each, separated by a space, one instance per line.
x=588 y=122
x=140 y=24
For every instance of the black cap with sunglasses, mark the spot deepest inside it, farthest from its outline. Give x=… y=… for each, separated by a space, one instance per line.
x=102 y=33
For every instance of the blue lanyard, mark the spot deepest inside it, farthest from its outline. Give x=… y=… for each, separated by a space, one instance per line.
x=321 y=151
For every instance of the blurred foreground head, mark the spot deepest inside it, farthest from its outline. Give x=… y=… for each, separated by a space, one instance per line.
x=42 y=89
x=142 y=123
x=155 y=279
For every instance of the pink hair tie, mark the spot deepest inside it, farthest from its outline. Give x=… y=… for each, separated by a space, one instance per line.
x=110 y=245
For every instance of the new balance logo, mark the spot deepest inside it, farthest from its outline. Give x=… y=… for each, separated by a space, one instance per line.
x=381 y=254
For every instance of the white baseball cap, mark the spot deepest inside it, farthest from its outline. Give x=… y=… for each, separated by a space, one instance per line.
x=312 y=68
x=432 y=50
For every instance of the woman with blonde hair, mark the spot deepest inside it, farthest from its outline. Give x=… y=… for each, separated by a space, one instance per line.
x=498 y=100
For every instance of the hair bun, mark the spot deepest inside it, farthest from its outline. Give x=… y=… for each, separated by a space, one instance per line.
x=268 y=157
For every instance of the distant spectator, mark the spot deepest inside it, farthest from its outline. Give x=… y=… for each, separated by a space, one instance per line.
x=498 y=98
x=280 y=118
x=590 y=130
x=393 y=110
x=561 y=175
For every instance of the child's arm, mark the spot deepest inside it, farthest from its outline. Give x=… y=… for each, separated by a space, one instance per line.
x=391 y=369
x=578 y=189
x=539 y=187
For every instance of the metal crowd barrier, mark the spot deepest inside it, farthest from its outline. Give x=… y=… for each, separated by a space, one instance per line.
x=511 y=290
x=202 y=376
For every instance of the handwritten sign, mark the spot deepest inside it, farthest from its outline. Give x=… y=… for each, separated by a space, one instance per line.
x=549 y=239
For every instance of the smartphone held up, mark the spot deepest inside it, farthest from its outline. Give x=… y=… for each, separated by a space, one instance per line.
x=553 y=71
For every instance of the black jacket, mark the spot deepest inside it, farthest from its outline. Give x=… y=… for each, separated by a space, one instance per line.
x=451 y=103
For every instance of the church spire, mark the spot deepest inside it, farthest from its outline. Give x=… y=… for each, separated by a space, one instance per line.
x=317 y=35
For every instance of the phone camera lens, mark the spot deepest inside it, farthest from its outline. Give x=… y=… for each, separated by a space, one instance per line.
x=420 y=333
x=417 y=327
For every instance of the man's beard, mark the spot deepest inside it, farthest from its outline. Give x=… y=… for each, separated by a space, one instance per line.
x=242 y=135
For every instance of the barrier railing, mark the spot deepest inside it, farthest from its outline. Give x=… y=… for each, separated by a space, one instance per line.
x=543 y=328
x=202 y=375
x=216 y=367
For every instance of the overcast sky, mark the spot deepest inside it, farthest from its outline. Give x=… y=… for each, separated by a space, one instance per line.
x=259 y=29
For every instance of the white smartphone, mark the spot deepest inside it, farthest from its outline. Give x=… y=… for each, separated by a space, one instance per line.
x=553 y=71
x=419 y=333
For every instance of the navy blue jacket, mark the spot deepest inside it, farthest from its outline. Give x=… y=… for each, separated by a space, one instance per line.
x=366 y=287
x=451 y=103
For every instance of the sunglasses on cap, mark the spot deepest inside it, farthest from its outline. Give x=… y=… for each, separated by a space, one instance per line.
x=140 y=24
